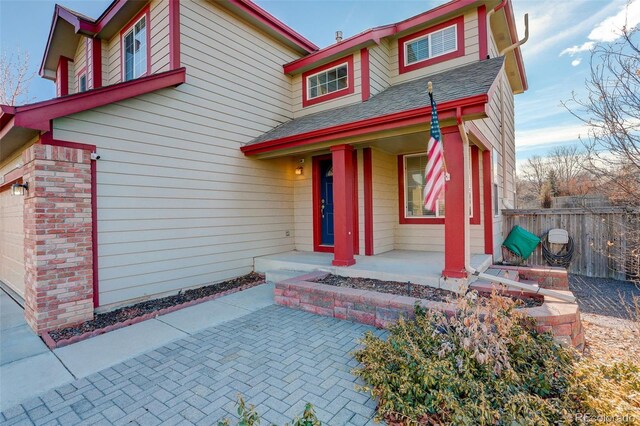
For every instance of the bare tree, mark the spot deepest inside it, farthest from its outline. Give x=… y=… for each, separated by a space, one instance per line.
x=15 y=74
x=535 y=171
x=611 y=112
x=567 y=164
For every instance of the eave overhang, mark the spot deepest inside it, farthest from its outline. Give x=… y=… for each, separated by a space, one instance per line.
x=470 y=108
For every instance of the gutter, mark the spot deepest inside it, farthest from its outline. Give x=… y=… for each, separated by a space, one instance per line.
x=467 y=265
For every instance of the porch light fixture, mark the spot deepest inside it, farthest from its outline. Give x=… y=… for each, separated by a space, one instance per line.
x=299 y=170
x=19 y=188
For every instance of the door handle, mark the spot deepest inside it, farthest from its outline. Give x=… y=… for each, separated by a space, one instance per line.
x=322 y=208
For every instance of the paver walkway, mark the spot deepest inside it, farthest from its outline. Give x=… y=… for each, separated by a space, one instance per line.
x=603 y=296
x=278 y=358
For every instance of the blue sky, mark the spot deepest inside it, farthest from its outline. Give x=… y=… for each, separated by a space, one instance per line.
x=556 y=56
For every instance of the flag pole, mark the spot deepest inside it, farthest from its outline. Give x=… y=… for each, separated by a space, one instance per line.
x=447 y=176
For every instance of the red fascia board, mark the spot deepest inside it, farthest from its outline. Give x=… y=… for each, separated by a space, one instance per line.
x=508 y=12
x=471 y=105
x=108 y=15
x=272 y=22
x=358 y=40
x=37 y=116
x=6 y=114
x=375 y=34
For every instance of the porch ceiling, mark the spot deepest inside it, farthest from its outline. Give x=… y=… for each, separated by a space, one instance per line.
x=397 y=106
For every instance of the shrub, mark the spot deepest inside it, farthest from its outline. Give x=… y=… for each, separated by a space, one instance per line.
x=249 y=416
x=484 y=365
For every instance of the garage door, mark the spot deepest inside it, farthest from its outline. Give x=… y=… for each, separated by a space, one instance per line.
x=12 y=241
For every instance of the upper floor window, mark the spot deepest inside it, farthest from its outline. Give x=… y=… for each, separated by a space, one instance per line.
x=432 y=45
x=135 y=47
x=327 y=82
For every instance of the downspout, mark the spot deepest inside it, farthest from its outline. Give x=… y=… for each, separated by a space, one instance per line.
x=521 y=42
x=502 y=4
x=467 y=265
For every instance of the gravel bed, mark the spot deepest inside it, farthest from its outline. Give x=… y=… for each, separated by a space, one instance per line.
x=142 y=308
x=406 y=289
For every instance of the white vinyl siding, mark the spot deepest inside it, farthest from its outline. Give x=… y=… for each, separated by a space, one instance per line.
x=179 y=205
x=379 y=67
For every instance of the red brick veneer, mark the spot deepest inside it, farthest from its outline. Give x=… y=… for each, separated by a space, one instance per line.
x=58 y=242
x=380 y=309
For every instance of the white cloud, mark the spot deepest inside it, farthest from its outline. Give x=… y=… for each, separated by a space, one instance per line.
x=584 y=47
x=610 y=29
x=576 y=62
x=544 y=17
x=550 y=135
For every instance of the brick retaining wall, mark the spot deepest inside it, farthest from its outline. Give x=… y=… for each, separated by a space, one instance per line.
x=552 y=278
x=381 y=309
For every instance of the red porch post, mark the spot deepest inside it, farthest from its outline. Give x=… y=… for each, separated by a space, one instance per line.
x=487 y=187
x=455 y=216
x=343 y=210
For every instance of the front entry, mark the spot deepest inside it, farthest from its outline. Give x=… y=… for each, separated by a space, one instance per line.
x=323 y=215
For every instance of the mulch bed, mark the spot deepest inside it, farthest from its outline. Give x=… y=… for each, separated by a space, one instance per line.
x=407 y=289
x=144 y=310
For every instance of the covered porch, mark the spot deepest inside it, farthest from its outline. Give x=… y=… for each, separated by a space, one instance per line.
x=358 y=174
x=418 y=267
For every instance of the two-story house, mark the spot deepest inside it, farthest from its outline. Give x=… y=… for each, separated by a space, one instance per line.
x=190 y=137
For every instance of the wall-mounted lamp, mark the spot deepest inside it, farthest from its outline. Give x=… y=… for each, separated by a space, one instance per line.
x=299 y=170
x=19 y=188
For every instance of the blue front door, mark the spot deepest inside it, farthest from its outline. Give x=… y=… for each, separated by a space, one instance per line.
x=326 y=202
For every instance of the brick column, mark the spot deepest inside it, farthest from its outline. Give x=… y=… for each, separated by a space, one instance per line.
x=455 y=216
x=58 y=237
x=343 y=210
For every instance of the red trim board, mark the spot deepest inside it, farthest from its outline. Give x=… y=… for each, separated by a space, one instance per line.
x=315 y=204
x=333 y=95
x=144 y=12
x=365 y=81
x=96 y=62
x=62 y=76
x=174 y=34
x=471 y=105
x=475 y=184
x=47 y=139
x=458 y=22
x=368 y=201
x=275 y=24
x=374 y=35
x=483 y=39
x=37 y=116
x=487 y=188
x=356 y=208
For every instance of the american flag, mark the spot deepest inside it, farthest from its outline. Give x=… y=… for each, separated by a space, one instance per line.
x=434 y=172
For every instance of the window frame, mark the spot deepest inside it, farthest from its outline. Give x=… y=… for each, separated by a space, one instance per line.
x=474 y=216
x=79 y=75
x=350 y=89
x=128 y=28
x=404 y=67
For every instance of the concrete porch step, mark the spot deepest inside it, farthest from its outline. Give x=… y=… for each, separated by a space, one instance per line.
x=503 y=273
x=277 y=275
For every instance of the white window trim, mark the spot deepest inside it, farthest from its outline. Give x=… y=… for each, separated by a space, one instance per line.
x=413 y=40
x=406 y=195
x=307 y=78
x=122 y=48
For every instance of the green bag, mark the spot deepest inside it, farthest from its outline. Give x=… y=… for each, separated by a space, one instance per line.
x=521 y=242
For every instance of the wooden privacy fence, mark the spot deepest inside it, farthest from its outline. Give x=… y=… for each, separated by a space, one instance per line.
x=604 y=237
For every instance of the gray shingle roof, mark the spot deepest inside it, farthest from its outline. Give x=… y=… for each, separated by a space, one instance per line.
x=462 y=82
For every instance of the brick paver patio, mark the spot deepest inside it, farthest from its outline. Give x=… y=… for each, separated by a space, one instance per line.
x=603 y=296
x=278 y=358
